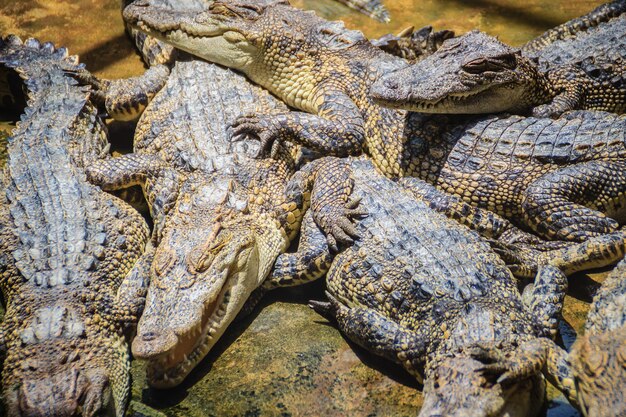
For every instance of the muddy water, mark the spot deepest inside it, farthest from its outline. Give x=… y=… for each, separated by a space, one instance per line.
x=286 y=360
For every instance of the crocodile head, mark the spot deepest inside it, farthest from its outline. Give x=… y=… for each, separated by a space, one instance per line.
x=59 y=364
x=212 y=255
x=268 y=40
x=474 y=73
x=599 y=364
x=457 y=388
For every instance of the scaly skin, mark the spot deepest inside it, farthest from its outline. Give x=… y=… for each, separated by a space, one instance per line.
x=598 y=359
x=322 y=68
x=65 y=249
x=221 y=218
x=578 y=27
x=476 y=73
x=419 y=289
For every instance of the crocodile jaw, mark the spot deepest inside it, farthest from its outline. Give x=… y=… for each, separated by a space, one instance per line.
x=488 y=99
x=204 y=36
x=170 y=363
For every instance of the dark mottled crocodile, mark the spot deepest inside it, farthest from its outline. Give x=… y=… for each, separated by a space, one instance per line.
x=580 y=64
x=65 y=249
x=221 y=218
x=476 y=73
x=421 y=290
x=561 y=177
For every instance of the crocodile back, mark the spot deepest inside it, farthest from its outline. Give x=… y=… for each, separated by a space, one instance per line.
x=573 y=34
x=66 y=246
x=499 y=144
x=600 y=51
x=188 y=121
x=421 y=270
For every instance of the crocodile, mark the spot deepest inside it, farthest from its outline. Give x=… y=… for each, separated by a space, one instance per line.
x=66 y=248
x=545 y=174
x=476 y=73
x=419 y=289
x=220 y=217
x=593 y=373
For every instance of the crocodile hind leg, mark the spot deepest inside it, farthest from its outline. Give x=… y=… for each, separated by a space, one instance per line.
x=530 y=358
x=125 y=99
x=572 y=203
x=595 y=252
x=376 y=333
x=487 y=223
x=544 y=298
x=310 y=262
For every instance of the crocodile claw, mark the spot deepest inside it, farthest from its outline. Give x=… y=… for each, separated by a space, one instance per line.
x=327 y=309
x=495 y=364
x=252 y=126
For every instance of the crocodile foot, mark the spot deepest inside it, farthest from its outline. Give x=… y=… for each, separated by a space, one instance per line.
x=258 y=127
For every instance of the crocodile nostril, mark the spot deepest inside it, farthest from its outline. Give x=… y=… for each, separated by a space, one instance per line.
x=148 y=337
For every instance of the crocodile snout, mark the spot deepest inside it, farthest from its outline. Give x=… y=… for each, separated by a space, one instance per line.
x=154 y=344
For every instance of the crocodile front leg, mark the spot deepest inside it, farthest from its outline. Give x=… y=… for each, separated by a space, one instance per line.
x=335 y=129
x=566 y=91
x=131 y=295
x=328 y=181
x=159 y=182
x=310 y=262
x=557 y=205
x=376 y=333
x=125 y=99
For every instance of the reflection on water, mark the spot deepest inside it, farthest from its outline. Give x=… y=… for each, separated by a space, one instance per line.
x=514 y=22
x=93 y=29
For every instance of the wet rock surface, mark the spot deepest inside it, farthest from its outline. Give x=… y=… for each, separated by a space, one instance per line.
x=285 y=360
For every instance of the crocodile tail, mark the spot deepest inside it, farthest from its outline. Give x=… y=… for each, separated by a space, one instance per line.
x=570 y=29
x=12 y=44
x=26 y=69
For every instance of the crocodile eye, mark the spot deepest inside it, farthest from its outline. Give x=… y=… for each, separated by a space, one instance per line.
x=163 y=260
x=494 y=64
x=199 y=260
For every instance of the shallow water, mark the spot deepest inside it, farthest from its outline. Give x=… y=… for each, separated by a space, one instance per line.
x=288 y=360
